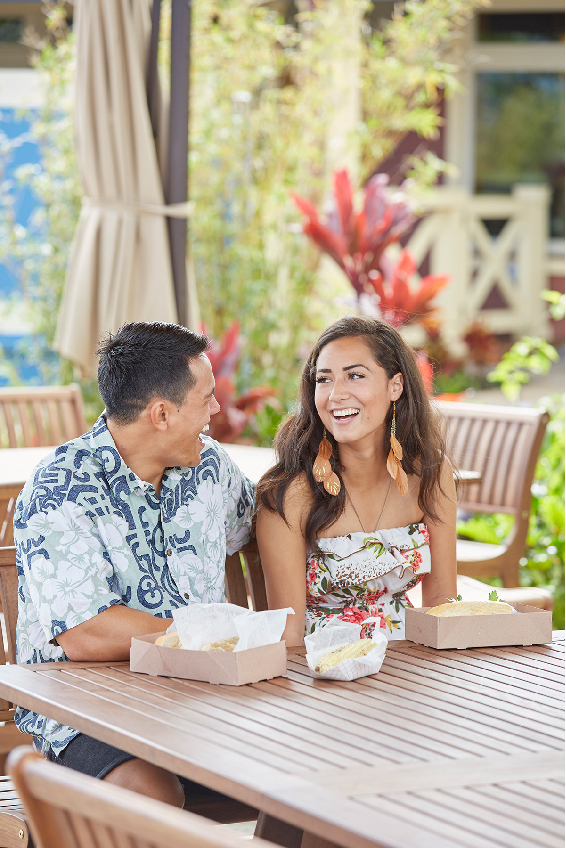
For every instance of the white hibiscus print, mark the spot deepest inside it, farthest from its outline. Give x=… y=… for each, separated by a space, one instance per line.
x=41 y=569
x=40 y=524
x=75 y=527
x=72 y=589
x=207 y=509
x=113 y=530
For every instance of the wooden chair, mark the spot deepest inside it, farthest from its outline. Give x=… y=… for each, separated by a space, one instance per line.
x=70 y=810
x=40 y=416
x=36 y=417
x=503 y=444
x=13 y=828
x=244 y=581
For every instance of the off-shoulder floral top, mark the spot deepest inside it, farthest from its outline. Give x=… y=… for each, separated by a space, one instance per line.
x=367 y=575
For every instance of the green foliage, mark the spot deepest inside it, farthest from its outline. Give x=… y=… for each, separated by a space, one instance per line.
x=557 y=301
x=543 y=563
x=263 y=101
x=404 y=74
x=528 y=356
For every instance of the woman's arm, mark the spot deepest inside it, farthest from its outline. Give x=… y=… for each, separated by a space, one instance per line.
x=283 y=553
x=440 y=584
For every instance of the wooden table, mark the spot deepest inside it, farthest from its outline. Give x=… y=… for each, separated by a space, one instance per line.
x=440 y=749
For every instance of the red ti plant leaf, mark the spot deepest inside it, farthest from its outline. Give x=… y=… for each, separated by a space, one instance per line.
x=356 y=240
x=425 y=367
x=235 y=412
x=400 y=302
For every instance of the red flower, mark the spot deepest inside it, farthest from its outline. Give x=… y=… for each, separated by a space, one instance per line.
x=425 y=534
x=355 y=615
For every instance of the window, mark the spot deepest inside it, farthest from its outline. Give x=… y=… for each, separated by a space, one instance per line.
x=519 y=135
x=514 y=27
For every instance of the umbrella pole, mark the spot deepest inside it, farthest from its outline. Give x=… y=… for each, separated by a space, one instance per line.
x=176 y=187
x=153 y=101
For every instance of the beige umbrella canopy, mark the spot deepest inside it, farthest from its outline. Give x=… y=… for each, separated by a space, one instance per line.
x=120 y=266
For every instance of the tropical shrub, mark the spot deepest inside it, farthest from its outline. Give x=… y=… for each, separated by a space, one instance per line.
x=259 y=130
x=236 y=413
x=357 y=241
x=543 y=563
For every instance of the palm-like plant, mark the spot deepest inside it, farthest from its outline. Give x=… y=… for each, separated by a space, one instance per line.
x=357 y=240
x=235 y=412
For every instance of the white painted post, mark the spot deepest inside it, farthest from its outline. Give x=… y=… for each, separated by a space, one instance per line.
x=532 y=210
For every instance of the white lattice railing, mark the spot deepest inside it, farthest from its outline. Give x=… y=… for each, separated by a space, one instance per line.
x=457 y=242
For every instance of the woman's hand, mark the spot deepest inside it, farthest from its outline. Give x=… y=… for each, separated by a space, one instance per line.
x=283 y=553
x=440 y=584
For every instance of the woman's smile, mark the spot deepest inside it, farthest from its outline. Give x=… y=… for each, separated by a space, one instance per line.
x=353 y=394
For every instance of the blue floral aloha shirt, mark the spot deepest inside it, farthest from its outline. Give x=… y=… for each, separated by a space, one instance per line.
x=89 y=534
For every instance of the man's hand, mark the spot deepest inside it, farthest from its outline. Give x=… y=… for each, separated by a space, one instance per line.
x=106 y=636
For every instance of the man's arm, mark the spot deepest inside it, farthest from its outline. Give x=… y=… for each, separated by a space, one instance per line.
x=106 y=636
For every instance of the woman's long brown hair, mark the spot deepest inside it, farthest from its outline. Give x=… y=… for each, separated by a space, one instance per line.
x=419 y=430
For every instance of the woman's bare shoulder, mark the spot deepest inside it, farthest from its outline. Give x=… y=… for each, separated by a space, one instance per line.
x=296 y=506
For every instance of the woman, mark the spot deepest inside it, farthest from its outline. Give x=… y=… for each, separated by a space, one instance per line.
x=361 y=504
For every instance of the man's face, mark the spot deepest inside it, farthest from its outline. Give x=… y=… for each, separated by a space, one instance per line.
x=192 y=417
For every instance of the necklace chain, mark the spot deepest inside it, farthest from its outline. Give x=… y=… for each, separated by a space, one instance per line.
x=380 y=514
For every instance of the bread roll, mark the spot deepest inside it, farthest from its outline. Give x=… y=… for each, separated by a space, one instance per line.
x=169 y=640
x=222 y=645
x=470 y=608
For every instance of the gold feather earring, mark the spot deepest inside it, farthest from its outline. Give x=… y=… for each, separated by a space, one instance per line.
x=322 y=469
x=394 y=459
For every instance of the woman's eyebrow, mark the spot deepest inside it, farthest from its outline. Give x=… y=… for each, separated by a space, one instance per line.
x=345 y=368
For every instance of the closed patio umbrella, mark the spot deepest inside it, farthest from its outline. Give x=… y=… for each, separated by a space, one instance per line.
x=120 y=266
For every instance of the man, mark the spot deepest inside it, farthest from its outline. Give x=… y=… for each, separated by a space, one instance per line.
x=116 y=529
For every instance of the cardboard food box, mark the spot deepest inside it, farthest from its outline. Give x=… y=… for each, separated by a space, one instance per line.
x=532 y=626
x=233 y=668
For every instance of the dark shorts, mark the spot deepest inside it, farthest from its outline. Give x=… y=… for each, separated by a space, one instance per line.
x=97 y=759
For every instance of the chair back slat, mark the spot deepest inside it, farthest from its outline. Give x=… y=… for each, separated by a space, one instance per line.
x=502 y=443
x=10 y=429
x=255 y=578
x=66 y=809
x=235 y=581
x=9 y=596
x=244 y=581
x=42 y=416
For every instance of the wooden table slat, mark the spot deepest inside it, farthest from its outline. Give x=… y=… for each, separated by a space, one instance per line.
x=526 y=793
x=465 y=665
x=459 y=833
x=489 y=820
x=301 y=722
x=397 y=710
x=217 y=706
x=499 y=797
x=360 y=780
x=397 y=667
x=454 y=703
x=209 y=727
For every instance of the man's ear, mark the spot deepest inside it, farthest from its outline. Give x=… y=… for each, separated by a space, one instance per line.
x=396 y=386
x=159 y=415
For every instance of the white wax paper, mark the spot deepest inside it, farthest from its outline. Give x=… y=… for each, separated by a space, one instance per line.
x=199 y=624
x=335 y=635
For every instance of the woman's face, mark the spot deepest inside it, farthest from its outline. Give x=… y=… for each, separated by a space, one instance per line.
x=353 y=393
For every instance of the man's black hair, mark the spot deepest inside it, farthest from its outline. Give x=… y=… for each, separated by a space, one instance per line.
x=143 y=361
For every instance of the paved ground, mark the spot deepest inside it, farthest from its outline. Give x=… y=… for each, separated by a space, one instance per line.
x=531 y=393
